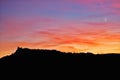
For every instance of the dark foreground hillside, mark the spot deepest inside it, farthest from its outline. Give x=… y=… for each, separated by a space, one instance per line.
x=29 y=62
x=24 y=56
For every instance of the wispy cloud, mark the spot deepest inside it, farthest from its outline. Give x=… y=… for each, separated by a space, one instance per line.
x=68 y=25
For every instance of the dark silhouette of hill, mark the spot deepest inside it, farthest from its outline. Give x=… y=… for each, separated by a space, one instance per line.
x=37 y=57
x=37 y=63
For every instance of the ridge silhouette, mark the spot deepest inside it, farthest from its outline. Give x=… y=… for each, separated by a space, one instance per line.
x=40 y=57
x=32 y=62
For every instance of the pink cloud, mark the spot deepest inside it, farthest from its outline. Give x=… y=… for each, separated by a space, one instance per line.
x=15 y=28
x=90 y=34
x=103 y=7
x=86 y=2
x=56 y=38
x=116 y=5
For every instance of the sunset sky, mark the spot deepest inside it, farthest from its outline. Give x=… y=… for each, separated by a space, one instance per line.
x=65 y=25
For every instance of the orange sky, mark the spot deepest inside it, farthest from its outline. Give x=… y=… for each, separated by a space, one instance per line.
x=102 y=40
x=65 y=25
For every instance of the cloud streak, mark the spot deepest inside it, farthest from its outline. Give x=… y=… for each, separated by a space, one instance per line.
x=66 y=25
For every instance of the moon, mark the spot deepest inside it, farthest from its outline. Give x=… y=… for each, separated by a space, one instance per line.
x=105 y=19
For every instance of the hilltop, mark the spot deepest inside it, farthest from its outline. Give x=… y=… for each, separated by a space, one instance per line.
x=32 y=62
x=25 y=56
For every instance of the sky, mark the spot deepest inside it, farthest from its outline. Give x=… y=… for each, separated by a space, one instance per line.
x=65 y=25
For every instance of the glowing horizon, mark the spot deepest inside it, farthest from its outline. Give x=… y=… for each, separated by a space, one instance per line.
x=65 y=25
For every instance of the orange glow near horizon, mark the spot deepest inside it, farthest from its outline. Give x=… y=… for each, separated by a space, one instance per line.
x=65 y=25
x=96 y=42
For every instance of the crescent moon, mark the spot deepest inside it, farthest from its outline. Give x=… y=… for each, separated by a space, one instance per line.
x=105 y=19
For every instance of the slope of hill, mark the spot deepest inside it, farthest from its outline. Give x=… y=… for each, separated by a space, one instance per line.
x=25 y=56
x=35 y=63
